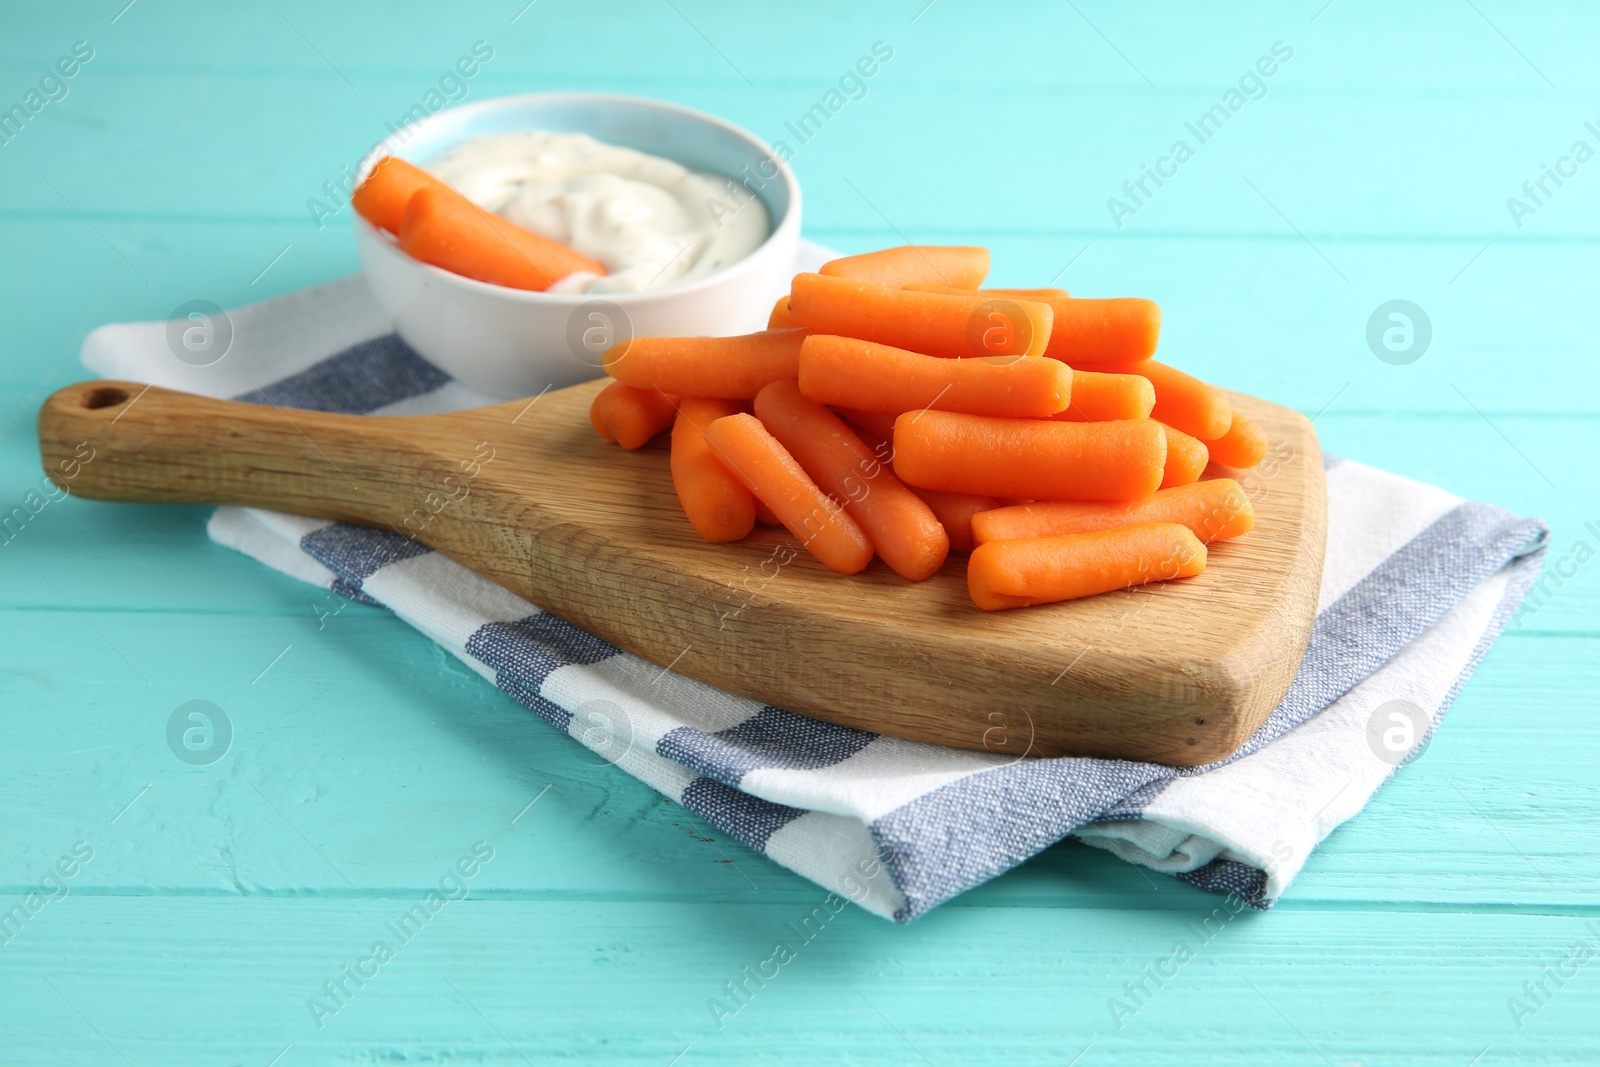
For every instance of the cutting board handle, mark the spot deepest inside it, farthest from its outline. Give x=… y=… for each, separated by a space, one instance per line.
x=110 y=440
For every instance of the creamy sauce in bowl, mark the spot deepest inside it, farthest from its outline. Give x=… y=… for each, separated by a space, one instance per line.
x=651 y=221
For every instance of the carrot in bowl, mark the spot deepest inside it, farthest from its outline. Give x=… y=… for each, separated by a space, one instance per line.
x=1186 y=458
x=902 y=529
x=716 y=503
x=1042 y=570
x=1100 y=397
x=861 y=374
x=723 y=368
x=953 y=265
x=383 y=195
x=1032 y=458
x=1242 y=446
x=768 y=470
x=1183 y=401
x=443 y=228
x=1214 y=510
x=935 y=324
x=629 y=416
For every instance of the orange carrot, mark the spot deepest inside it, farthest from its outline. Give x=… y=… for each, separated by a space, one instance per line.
x=1037 y=459
x=955 y=512
x=382 y=196
x=444 y=228
x=780 y=319
x=1186 y=458
x=902 y=529
x=716 y=502
x=1088 y=333
x=962 y=267
x=1214 y=510
x=842 y=370
x=725 y=368
x=1044 y=296
x=629 y=416
x=1242 y=446
x=768 y=470
x=1041 y=570
x=880 y=424
x=1183 y=401
x=936 y=324
x=1098 y=397
x=764 y=514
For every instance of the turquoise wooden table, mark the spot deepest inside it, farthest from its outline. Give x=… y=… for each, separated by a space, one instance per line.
x=197 y=152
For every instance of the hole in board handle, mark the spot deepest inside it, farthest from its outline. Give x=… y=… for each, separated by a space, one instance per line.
x=104 y=397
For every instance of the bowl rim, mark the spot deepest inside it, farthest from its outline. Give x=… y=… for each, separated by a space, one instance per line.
x=529 y=296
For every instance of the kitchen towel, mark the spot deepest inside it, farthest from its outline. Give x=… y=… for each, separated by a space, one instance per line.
x=1417 y=585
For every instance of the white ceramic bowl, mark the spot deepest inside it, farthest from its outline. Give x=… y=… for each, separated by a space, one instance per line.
x=513 y=343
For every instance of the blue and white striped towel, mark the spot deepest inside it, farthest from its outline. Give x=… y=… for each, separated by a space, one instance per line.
x=1418 y=584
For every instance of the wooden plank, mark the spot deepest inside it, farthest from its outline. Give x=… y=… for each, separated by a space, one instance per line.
x=1377 y=179
x=366 y=750
x=640 y=982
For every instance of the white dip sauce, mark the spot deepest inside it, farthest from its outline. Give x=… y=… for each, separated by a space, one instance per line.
x=651 y=221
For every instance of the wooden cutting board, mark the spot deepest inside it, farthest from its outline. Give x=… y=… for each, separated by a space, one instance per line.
x=526 y=494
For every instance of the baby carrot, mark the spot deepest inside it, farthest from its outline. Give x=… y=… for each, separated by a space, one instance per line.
x=1185 y=402
x=955 y=512
x=725 y=368
x=880 y=424
x=936 y=324
x=382 y=196
x=902 y=529
x=1093 y=332
x=1042 y=570
x=1099 y=397
x=842 y=370
x=445 y=229
x=1044 y=296
x=1242 y=446
x=1036 y=459
x=1213 y=510
x=630 y=416
x=716 y=502
x=780 y=319
x=1186 y=458
x=764 y=514
x=768 y=470
x=1088 y=332
x=953 y=265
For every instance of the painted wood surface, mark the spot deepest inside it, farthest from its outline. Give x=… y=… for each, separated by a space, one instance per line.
x=1377 y=166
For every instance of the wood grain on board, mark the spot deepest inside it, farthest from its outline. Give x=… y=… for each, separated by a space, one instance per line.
x=527 y=495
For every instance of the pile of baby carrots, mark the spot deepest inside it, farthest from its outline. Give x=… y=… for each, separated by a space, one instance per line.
x=437 y=225
x=894 y=408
